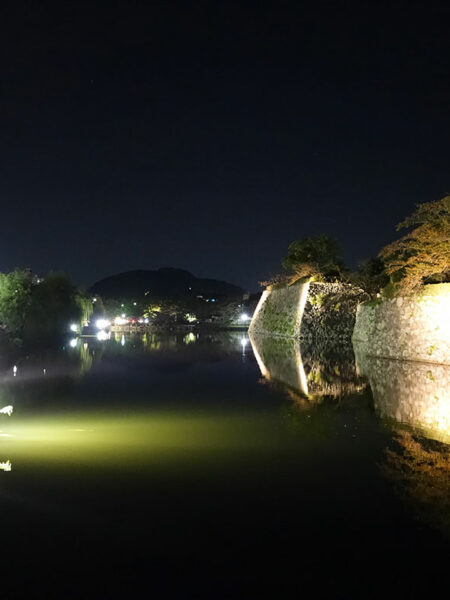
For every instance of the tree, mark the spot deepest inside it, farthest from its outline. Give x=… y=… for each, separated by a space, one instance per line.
x=318 y=256
x=423 y=255
x=55 y=303
x=15 y=300
x=370 y=275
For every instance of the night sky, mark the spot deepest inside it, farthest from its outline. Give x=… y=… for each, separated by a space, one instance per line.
x=209 y=135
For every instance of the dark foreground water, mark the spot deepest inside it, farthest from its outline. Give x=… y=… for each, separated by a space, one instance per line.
x=190 y=467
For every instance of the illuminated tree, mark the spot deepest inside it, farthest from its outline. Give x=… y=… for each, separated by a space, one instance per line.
x=318 y=256
x=423 y=255
x=15 y=300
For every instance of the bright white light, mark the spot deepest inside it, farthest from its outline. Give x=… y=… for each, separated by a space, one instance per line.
x=145 y=320
x=244 y=318
x=94 y=299
x=120 y=320
x=15 y=370
x=122 y=340
x=74 y=327
x=103 y=335
x=102 y=323
x=5 y=466
x=123 y=315
x=134 y=303
x=73 y=343
x=244 y=342
x=7 y=410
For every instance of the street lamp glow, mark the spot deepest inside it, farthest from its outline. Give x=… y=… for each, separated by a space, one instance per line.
x=244 y=317
x=103 y=335
x=102 y=323
x=74 y=327
x=73 y=343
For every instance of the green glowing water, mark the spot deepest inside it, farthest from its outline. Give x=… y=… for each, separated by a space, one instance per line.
x=203 y=466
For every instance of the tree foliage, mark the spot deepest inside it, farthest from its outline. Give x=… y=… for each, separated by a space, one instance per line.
x=422 y=255
x=370 y=275
x=36 y=311
x=317 y=256
x=15 y=300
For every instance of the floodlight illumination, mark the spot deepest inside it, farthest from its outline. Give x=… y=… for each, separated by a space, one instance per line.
x=120 y=320
x=102 y=323
x=103 y=335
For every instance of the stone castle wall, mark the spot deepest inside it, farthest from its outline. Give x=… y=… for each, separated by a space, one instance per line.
x=318 y=313
x=415 y=327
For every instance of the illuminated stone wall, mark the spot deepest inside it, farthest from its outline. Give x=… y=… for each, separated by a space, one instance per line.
x=412 y=393
x=279 y=311
x=416 y=327
x=317 y=313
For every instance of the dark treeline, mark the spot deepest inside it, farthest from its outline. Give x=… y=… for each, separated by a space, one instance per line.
x=37 y=311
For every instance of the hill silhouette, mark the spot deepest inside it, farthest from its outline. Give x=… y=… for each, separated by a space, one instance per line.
x=162 y=283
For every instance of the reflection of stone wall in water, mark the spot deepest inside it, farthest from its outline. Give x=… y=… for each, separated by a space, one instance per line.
x=319 y=313
x=312 y=375
x=416 y=327
x=421 y=470
x=414 y=393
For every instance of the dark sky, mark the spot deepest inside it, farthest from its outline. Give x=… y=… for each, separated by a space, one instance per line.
x=209 y=135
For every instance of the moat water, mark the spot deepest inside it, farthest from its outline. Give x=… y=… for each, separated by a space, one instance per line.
x=212 y=465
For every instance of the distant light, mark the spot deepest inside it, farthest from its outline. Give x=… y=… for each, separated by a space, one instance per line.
x=73 y=343
x=120 y=321
x=145 y=320
x=94 y=299
x=213 y=299
x=74 y=327
x=140 y=320
x=134 y=303
x=7 y=410
x=15 y=370
x=6 y=466
x=122 y=340
x=102 y=323
x=122 y=305
x=103 y=335
x=244 y=317
x=123 y=315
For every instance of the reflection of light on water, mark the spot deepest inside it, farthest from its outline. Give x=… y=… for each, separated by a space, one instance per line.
x=15 y=370
x=262 y=367
x=7 y=410
x=103 y=335
x=122 y=340
x=413 y=393
x=244 y=342
x=303 y=382
x=189 y=338
x=6 y=466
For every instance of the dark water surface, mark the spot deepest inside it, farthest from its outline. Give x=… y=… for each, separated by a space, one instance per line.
x=211 y=466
